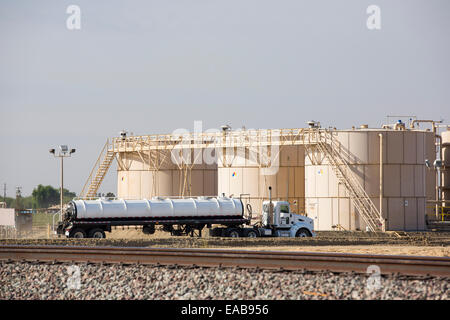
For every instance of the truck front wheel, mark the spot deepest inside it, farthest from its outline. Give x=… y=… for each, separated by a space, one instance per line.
x=303 y=233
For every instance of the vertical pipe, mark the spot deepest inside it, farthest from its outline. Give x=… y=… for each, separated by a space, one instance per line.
x=381 y=183
x=433 y=124
x=437 y=193
x=287 y=184
x=438 y=172
x=224 y=150
x=271 y=215
x=62 y=187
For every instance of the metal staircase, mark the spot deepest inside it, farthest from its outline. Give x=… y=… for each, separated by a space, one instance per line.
x=98 y=172
x=332 y=149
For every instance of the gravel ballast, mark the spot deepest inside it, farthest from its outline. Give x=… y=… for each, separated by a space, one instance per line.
x=27 y=280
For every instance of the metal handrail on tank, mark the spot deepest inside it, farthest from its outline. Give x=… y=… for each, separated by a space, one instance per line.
x=96 y=165
x=367 y=209
x=368 y=204
x=237 y=138
x=348 y=182
x=245 y=138
x=137 y=198
x=96 y=198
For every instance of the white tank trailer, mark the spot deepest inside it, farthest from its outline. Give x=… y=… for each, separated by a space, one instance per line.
x=92 y=218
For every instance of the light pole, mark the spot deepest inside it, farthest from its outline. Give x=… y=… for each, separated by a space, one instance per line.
x=63 y=153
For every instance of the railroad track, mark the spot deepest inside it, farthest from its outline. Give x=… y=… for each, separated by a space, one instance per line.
x=335 y=262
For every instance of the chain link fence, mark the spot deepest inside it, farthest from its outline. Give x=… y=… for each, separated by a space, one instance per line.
x=31 y=225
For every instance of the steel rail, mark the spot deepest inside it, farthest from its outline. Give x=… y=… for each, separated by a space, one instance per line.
x=335 y=262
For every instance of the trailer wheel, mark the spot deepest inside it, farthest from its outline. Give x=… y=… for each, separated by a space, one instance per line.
x=148 y=229
x=97 y=233
x=250 y=233
x=215 y=232
x=233 y=233
x=78 y=233
x=303 y=233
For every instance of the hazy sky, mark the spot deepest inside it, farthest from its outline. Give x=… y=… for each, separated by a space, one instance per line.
x=155 y=66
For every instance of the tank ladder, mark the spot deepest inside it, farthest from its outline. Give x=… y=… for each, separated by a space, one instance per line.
x=333 y=151
x=98 y=172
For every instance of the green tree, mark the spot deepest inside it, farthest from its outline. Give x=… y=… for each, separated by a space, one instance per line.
x=67 y=195
x=27 y=202
x=44 y=196
x=10 y=202
x=21 y=203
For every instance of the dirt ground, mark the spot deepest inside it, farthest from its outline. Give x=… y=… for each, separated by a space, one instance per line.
x=134 y=234
x=372 y=249
x=326 y=242
x=369 y=249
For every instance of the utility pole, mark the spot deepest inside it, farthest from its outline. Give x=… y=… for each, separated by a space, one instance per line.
x=4 y=193
x=61 y=192
x=18 y=198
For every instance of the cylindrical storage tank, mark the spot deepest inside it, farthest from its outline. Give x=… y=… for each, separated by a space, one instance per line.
x=142 y=176
x=156 y=208
x=445 y=178
x=248 y=171
x=407 y=183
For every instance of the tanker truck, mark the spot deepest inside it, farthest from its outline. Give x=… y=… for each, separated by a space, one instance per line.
x=92 y=218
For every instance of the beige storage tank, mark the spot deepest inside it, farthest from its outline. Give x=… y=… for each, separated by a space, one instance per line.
x=139 y=178
x=445 y=178
x=407 y=183
x=243 y=174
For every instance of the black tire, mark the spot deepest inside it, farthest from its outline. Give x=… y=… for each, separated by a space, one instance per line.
x=233 y=233
x=215 y=232
x=303 y=233
x=148 y=229
x=250 y=233
x=97 y=233
x=78 y=233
